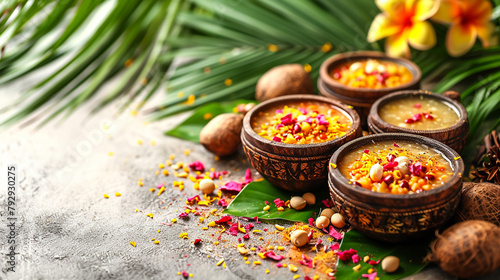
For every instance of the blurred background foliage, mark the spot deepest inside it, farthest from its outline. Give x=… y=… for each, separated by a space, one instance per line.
x=228 y=44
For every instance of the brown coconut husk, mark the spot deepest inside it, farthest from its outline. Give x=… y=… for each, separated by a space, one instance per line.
x=480 y=201
x=283 y=80
x=221 y=135
x=467 y=249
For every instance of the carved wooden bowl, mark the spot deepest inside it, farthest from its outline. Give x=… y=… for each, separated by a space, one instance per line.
x=361 y=98
x=298 y=168
x=390 y=217
x=454 y=136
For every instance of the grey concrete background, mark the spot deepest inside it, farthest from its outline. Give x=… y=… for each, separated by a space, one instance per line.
x=67 y=230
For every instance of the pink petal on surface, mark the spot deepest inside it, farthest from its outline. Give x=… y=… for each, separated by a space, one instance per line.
x=197 y=166
x=355 y=258
x=335 y=234
x=371 y=276
x=248 y=176
x=224 y=220
x=232 y=186
x=222 y=202
x=372 y=262
x=346 y=255
x=310 y=221
x=195 y=198
x=334 y=246
x=272 y=255
x=233 y=230
x=249 y=226
x=326 y=203
x=279 y=202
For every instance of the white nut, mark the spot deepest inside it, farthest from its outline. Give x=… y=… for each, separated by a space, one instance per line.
x=402 y=160
x=404 y=169
x=376 y=172
x=381 y=68
x=328 y=212
x=301 y=118
x=390 y=264
x=298 y=203
x=337 y=220
x=355 y=66
x=322 y=222
x=310 y=198
x=370 y=66
x=207 y=186
x=299 y=237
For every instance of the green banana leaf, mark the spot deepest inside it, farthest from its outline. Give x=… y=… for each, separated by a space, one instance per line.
x=251 y=201
x=190 y=128
x=411 y=256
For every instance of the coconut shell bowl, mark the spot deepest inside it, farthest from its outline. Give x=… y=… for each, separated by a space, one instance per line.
x=444 y=118
x=362 y=97
x=388 y=216
x=294 y=167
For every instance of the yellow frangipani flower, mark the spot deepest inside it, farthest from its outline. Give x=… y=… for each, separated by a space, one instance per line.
x=469 y=19
x=404 y=22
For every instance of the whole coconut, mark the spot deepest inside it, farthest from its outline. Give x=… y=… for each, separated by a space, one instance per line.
x=221 y=135
x=480 y=201
x=283 y=80
x=468 y=249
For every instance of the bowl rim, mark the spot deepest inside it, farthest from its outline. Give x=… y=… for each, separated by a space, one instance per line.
x=455 y=161
x=458 y=108
x=327 y=92
x=346 y=56
x=348 y=111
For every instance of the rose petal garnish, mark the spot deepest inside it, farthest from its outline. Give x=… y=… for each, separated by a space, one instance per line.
x=287 y=119
x=416 y=168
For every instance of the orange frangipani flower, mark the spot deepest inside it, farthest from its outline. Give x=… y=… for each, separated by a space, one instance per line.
x=404 y=22
x=469 y=19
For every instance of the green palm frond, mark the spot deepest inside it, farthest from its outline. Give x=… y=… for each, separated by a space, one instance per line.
x=242 y=33
x=133 y=31
x=135 y=43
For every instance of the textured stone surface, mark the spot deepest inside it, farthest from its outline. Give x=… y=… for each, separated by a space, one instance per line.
x=67 y=230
